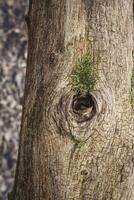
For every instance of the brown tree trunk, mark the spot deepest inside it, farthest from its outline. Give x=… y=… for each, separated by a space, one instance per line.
x=68 y=152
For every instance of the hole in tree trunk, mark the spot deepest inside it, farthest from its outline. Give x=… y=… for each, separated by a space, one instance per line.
x=84 y=106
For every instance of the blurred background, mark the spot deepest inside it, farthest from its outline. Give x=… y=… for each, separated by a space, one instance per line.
x=13 y=54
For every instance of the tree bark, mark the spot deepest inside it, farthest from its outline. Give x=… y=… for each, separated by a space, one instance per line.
x=62 y=154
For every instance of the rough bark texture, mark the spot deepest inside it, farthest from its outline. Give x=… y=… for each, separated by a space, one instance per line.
x=62 y=155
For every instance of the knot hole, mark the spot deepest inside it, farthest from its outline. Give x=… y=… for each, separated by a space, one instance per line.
x=84 y=106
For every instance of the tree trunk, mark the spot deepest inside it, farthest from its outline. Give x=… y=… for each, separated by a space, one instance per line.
x=77 y=145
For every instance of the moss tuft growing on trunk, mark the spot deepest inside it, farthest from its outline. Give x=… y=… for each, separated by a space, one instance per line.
x=84 y=77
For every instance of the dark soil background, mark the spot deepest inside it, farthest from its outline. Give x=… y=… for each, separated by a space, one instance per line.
x=13 y=53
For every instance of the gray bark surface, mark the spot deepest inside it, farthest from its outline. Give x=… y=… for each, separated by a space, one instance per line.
x=62 y=156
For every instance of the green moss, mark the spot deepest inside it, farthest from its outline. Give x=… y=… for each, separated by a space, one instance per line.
x=83 y=78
